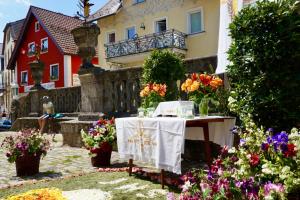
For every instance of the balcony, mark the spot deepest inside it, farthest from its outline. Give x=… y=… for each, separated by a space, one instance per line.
x=137 y=49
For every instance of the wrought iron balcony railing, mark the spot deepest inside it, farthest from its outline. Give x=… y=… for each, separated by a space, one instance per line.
x=167 y=39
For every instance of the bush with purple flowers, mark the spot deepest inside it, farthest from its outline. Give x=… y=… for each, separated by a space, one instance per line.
x=266 y=165
x=25 y=142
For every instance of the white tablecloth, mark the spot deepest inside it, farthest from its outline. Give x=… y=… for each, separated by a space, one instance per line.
x=219 y=132
x=155 y=140
x=160 y=140
x=172 y=108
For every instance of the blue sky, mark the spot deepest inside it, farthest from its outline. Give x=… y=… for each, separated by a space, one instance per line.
x=12 y=10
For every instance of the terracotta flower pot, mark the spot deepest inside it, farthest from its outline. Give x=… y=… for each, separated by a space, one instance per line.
x=103 y=155
x=28 y=165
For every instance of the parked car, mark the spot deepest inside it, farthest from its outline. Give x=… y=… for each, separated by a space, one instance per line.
x=5 y=124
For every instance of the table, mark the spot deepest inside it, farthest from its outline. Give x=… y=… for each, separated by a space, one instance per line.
x=202 y=122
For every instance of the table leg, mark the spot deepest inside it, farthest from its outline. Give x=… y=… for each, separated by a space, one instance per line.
x=162 y=178
x=130 y=166
x=207 y=144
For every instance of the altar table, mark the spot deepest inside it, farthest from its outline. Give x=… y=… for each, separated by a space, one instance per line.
x=168 y=129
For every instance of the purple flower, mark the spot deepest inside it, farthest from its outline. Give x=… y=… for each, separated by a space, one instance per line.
x=270 y=188
x=234 y=130
x=171 y=196
x=242 y=142
x=265 y=146
x=22 y=146
x=281 y=137
x=270 y=130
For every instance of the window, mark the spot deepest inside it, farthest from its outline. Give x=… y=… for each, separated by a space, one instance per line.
x=195 y=22
x=31 y=49
x=138 y=1
x=44 y=45
x=54 y=72
x=111 y=37
x=161 y=26
x=130 y=33
x=2 y=64
x=24 y=78
x=37 y=26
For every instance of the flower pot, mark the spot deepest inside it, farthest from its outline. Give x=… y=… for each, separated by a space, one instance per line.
x=203 y=107
x=103 y=155
x=28 y=165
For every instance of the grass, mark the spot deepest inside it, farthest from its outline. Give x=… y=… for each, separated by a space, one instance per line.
x=91 y=181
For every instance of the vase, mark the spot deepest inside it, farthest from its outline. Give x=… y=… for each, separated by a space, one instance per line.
x=37 y=73
x=103 y=155
x=203 y=107
x=28 y=164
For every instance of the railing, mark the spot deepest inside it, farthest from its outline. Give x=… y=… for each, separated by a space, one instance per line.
x=167 y=39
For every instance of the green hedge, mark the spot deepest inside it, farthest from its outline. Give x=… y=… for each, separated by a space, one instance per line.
x=265 y=63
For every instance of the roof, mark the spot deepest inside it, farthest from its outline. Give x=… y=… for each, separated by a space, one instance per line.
x=110 y=8
x=57 y=25
x=15 y=28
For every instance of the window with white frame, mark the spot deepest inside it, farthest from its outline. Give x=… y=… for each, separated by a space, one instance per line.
x=195 y=21
x=160 y=25
x=37 y=26
x=24 y=77
x=54 y=72
x=111 y=37
x=138 y=1
x=31 y=49
x=130 y=33
x=44 y=45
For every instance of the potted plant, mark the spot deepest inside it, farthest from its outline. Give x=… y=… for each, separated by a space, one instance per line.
x=26 y=150
x=152 y=94
x=99 y=141
x=201 y=89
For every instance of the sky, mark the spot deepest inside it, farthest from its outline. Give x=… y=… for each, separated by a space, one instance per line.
x=13 y=10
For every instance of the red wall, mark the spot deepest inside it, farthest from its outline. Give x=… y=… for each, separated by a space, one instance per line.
x=53 y=56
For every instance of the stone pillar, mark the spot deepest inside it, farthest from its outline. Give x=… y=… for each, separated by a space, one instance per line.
x=92 y=94
x=35 y=104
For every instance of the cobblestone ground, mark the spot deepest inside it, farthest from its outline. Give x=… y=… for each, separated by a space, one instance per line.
x=60 y=161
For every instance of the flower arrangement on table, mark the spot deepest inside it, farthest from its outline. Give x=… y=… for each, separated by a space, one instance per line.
x=265 y=166
x=152 y=94
x=99 y=140
x=26 y=142
x=201 y=89
x=43 y=194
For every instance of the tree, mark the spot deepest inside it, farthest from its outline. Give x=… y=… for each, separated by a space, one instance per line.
x=265 y=63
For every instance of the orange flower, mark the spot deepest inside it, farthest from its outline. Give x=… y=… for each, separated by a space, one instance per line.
x=194 y=77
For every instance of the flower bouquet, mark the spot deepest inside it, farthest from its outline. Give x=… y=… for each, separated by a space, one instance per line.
x=152 y=94
x=201 y=89
x=99 y=141
x=26 y=149
x=45 y=194
x=265 y=166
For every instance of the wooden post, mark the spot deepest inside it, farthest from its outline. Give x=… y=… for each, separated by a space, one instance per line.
x=130 y=166
x=207 y=144
x=162 y=178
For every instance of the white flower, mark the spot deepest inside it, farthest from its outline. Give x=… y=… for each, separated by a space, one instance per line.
x=232 y=150
x=266 y=169
x=186 y=186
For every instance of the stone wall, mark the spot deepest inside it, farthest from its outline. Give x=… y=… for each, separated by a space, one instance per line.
x=65 y=100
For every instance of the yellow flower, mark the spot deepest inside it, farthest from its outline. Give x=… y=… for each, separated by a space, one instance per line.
x=183 y=87
x=40 y=194
x=195 y=86
x=189 y=82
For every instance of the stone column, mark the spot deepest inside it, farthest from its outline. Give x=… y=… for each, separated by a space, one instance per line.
x=92 y=94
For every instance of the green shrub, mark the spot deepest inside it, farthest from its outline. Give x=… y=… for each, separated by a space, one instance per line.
x=265 y=63
x=164 y=67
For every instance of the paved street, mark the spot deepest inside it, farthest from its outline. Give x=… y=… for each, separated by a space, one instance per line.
x=61 y=161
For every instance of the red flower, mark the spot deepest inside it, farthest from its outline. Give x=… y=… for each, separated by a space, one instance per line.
x=254 y=160
x=194 y=77
x=218 y=162
x=291 y=152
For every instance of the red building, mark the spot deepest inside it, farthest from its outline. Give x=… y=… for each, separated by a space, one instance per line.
x=51 y=32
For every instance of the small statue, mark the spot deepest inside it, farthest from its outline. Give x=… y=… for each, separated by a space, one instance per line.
x=15 y=108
